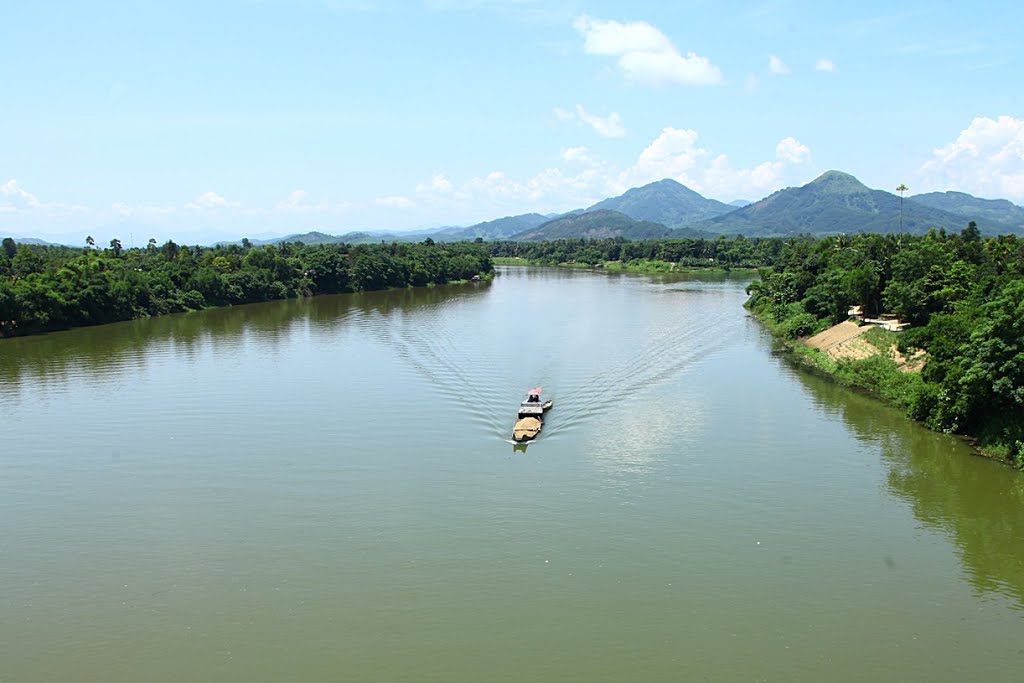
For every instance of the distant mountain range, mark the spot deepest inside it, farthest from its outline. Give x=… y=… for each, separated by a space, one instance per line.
x=832 y=203
x=498 y=229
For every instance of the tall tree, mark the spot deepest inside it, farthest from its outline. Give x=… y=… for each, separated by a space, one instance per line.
x=901 y=189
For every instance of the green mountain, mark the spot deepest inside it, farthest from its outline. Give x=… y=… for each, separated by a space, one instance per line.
x=991 y=215
x=499 y=228
x=832 y=203
x=595 y=225
x=666 y=202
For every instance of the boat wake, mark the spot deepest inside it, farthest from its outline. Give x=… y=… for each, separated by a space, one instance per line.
x=466 y=356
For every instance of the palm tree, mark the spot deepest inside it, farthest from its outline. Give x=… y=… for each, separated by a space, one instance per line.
x=901 y=189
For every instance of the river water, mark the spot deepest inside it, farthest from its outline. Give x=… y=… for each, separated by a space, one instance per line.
x=323 y=490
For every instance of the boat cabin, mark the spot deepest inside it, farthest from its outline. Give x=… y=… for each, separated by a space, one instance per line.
x=531 y=406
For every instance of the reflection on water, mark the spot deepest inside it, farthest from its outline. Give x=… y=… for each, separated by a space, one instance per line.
x=978 y=504
x=96 y=354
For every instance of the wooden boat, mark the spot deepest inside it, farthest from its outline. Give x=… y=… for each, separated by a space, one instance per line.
x=530 y=418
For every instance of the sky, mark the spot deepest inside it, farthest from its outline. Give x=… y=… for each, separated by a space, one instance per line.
x=200 y=121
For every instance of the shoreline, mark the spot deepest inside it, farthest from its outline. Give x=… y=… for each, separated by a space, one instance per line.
x=818 y=363
x=644 y=266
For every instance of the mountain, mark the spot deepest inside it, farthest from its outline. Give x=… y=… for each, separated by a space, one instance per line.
x=832 y=203
x=595 y=225
x=998 y=214
x=32 y=240
x=740 y=203
x=499 y=228
x=665 y=201
x=316 y=237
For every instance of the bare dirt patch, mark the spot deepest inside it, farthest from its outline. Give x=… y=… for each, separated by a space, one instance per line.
x=843 y=341
x=837 y=334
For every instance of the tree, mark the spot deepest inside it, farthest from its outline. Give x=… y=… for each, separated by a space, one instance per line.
x=90 y=241
x=10 y=247
x=901 y=189
x=115 y=247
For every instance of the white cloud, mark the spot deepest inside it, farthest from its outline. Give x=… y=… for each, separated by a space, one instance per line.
x=126 y=211
x=496 y=193
x=790 y=151
x=646 y=55
x=16 y=199
x=298 y=202
x=210 y=200
x=575 y=154
x=608 y=126
x=987 y=159
x=826 y=65
x=675 y=153
x=18 y=196
x=722 y=180
x=777 y=66
x=750 y=85
x=394 y=202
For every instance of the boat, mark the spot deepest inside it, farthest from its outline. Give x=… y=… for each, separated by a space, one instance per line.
x=530 y=418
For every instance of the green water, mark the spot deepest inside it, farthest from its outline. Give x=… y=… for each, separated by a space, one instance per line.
x=322 y=490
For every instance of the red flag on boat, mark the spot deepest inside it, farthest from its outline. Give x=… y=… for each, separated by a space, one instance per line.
x=535 y=391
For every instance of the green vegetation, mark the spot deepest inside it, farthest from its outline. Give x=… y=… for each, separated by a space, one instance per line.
x=46 y=288
x=962 y=294
x=599 y=224
x=642 y=256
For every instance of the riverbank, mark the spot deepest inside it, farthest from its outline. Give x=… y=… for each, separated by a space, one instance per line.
x=47 y=288
x=867 y=361
x=649 y=266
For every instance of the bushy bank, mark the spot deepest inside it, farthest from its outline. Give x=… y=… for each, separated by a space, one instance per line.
x=964 y=298
x=49 y=288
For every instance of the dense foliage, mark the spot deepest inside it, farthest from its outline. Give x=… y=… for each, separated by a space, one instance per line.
x=739 y=252
x=964 y=298
x=45 y=287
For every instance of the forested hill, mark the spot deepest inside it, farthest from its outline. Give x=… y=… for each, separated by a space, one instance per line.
x=833 y=203
x=667 y=202
x=1000 y=214
x=48 y=288
x=595 y=225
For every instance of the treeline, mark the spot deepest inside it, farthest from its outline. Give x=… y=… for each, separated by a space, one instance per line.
x=964 y=298
x=46 y=288
x=737 y=252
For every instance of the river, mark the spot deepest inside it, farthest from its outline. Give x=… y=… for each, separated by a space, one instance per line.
x=323 y=490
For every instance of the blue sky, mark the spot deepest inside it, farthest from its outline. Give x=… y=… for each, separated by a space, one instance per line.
x=208 y=120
